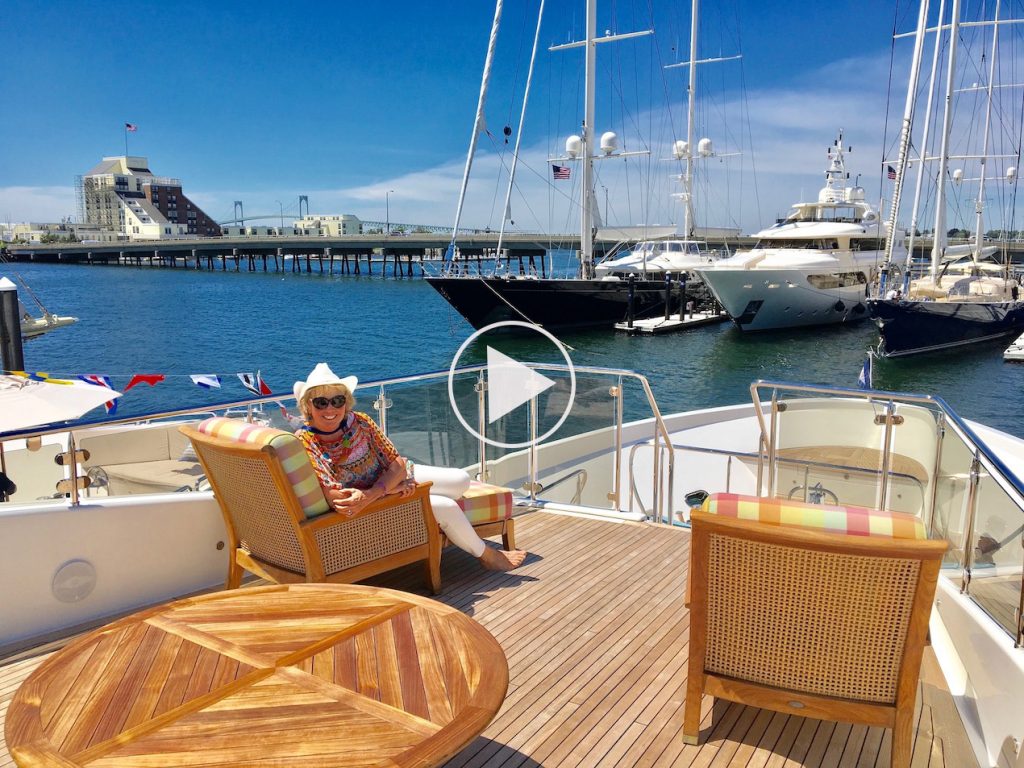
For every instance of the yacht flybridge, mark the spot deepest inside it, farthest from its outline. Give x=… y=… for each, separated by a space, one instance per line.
x=657 y=258
x=594 y=625
x=811 y=268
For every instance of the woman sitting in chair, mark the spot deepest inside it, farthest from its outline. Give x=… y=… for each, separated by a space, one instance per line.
x=356 y=464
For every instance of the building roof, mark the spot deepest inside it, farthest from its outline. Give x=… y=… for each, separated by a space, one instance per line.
x=124 y=164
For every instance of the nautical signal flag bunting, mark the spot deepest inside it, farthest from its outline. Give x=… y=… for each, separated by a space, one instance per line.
x=251 y=381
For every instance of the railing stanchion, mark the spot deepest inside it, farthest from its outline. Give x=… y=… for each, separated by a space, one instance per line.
x=73 y=468
x=771 y=443
x=616 y=392
x=890 y=417
x=381 y=405
x=940 y=436
x=481 y=404
x=972 y=508
x=531 y=453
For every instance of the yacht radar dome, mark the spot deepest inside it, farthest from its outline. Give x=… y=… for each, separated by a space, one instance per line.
x=609 y=142
x=958 y=175
x=705 y=148
x=855 y=194
x=573 y=146
x=679 y=149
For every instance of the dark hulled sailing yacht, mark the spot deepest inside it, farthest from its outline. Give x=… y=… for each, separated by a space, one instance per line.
x=965 y=298
x=590 y=298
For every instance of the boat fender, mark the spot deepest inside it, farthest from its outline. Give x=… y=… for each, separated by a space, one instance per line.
x=840 y=306
x=859 y=308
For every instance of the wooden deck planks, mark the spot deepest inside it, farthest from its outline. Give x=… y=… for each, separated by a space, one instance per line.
x=596 y=637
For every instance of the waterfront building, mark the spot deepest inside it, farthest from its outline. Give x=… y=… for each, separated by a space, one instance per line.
x=122 y=196
x=330 y=226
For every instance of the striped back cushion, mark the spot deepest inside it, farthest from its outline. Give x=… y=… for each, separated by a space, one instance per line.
x=289 y=450
x=853 y=521
x=486 y=503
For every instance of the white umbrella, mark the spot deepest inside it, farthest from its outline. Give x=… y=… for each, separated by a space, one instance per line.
x=27 y=403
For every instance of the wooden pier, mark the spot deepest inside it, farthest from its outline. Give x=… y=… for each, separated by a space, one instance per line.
x=394 y=255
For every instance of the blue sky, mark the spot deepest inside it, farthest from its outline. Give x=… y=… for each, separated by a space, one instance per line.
x=345 y=102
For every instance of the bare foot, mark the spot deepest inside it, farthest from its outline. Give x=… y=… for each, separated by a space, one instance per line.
x=499 y=560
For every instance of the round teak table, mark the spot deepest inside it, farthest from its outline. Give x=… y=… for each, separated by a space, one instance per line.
x=298 y=675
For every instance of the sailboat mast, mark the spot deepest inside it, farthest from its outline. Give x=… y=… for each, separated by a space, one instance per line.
x=478 y=123
x=908 y=117
x=939 y=236
x=979 y=208
x=690 y=110
x=924 y=143
x=587 y=182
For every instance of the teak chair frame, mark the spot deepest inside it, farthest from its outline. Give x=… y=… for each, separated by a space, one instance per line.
x=775 y=668
x=309 y=533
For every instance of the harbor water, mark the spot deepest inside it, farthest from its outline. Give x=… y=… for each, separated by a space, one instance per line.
x=177 y=322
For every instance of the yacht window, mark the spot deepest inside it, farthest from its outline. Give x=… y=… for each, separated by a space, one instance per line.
x=790 y=243
x=837 y=279
x=675 y=247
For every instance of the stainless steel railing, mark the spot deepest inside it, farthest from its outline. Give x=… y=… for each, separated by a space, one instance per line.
x=985 y=467
x=382 y=404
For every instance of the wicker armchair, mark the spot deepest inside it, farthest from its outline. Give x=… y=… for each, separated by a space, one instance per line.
x=273 y=536
x=815 y=624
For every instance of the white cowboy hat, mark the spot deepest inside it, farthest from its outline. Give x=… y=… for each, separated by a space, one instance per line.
x=323 y=376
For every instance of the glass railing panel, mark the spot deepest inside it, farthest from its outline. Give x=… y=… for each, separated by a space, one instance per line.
x=422 y=423
x=33 y=468
x=833 y=451
x=996 y=552
x=950 y=514
x=576 y=464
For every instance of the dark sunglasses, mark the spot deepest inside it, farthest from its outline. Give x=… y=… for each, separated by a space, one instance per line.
x=338 y=401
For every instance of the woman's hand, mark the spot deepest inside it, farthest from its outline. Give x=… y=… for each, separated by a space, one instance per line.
x=406 y=489
x=348 y=501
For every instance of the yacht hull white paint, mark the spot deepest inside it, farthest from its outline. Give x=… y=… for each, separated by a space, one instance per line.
x=787 y=299
x=144 y=549
x=983 y=670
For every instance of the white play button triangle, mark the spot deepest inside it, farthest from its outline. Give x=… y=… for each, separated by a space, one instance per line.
x=510 y=384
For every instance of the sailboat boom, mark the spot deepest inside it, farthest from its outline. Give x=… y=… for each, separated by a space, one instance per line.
x=605 y=39
x=704 y=61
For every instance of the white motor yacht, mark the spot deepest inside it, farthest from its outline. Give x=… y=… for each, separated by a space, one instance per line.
x=811 y=268
x=656 y=258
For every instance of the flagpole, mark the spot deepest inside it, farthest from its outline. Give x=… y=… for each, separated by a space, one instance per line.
x=126 y=139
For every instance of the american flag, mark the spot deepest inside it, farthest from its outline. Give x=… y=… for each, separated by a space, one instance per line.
x=891 y=173
x=560 y=171
x=131 y=127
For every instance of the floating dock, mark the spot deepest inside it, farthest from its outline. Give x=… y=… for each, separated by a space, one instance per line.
x=1015 y=352
x=654 y=325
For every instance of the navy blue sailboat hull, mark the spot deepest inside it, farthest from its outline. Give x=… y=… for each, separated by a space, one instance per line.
x=913 y=327
x=552 y=303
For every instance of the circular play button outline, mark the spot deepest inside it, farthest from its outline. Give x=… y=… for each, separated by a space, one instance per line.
x=515 y=324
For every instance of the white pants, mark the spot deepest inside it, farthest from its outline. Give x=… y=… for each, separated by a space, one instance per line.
x=448 y=485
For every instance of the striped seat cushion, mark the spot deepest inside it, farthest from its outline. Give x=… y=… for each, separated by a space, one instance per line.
x=486 y=503
x=289 y=450
x=854 y=521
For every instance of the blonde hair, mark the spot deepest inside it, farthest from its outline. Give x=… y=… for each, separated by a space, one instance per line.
x=323 y=390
